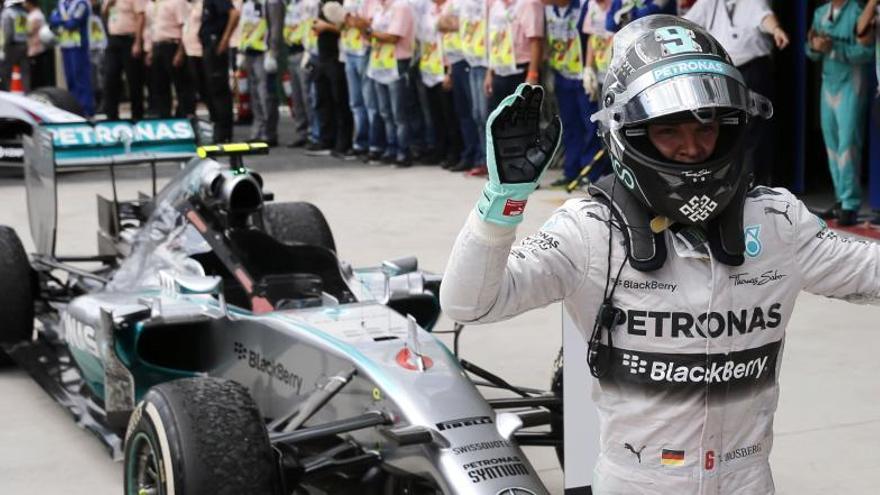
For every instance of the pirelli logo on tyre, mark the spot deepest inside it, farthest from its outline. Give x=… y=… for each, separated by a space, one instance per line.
x=729 y=373
x=464 y=422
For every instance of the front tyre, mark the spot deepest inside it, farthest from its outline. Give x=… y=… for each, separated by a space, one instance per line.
x=198 y=436
x=16 y=292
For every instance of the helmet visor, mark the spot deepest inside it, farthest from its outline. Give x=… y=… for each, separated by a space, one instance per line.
x=688 y=93
x=685 y=93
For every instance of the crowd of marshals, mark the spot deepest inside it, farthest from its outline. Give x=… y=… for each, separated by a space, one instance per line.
x=395 y=81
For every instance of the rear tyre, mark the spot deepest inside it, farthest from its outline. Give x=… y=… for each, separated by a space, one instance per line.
x=297 y=222
x=198 y=436
x=59 y=98
x=16 y=293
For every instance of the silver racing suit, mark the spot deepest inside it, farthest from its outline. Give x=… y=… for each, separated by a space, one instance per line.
x=688 y=402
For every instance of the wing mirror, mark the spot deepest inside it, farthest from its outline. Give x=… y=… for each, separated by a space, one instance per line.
x=195 y=284
x=400 y=266
x=179 y=283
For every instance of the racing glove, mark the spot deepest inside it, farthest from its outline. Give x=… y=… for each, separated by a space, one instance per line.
x=517 y=154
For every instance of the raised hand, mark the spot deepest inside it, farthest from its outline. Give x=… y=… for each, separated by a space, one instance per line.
x=518 y=153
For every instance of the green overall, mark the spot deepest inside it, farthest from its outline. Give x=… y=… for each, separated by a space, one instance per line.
x=844 y=97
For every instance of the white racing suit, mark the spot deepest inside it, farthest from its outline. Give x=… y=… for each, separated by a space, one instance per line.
x=688 y=402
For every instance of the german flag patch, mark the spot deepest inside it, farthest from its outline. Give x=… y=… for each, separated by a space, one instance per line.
x=672 y=457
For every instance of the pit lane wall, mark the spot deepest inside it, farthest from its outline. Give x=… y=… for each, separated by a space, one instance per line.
x=580 y=416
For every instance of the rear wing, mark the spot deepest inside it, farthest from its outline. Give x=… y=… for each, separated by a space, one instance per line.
x=83 y=145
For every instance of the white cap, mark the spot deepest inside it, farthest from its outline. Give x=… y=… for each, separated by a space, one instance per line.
x=334 y=12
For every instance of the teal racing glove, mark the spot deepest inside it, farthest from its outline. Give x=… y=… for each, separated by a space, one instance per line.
x=517 y=154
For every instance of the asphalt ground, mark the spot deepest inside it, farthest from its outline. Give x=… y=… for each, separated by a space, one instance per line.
x=827 y=426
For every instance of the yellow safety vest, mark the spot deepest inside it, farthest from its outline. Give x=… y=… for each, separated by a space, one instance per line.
x=292 y=31
x=19 y=34
x=311 y=10
x=382 y=66
x=254 y=28
x=69 y=38
x=353 y=41
x=452 y=46
x=566 y=55
x=601 y=47
x=97 y=37
x=472 y=32
x=310 y=37
x=431 y=63
x=501 y=57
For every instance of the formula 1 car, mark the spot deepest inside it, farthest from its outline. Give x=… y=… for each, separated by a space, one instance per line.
x=220 y=346
x=20 y=114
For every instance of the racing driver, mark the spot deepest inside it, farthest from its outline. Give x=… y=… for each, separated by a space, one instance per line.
x=680 y=276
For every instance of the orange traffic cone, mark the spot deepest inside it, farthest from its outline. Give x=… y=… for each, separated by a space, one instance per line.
x=287 y=84
x=243 y=99
x=16 y=85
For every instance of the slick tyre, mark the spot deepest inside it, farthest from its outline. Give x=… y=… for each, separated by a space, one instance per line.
x=59 y=98
x=198 y=436
x=298 y=222
x=16 y=293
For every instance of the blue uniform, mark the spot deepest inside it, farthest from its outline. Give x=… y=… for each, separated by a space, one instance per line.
x=844 y=97
x=641 y=9
x=71 y=20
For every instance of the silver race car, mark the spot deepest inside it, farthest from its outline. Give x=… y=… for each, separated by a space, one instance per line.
x=218 y=345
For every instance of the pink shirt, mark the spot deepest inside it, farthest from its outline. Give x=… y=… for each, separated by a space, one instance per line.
x=122 y=18
x=168 y=23
x=191 y=44
x=528 y=22
x=235 y=37
x=401 y=22
x=369 y=8
x=35 y=21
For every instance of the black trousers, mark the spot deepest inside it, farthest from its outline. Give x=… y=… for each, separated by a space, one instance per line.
x=216 y=69
x=335 y=114
x=759 y=154
x=164 y=73
x=447 y=132
x=118 y=60
x=504 y=86
x=43 y=69
x=200 y=80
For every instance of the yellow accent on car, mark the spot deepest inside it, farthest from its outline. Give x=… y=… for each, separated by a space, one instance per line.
x=232 y=149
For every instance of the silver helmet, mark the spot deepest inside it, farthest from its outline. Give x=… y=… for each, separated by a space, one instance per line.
x=667 y=69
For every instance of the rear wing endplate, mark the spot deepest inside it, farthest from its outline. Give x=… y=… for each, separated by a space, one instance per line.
x=83 y=145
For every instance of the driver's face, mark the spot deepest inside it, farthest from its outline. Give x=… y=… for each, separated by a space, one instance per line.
x=688 y=142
